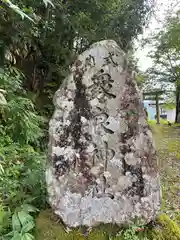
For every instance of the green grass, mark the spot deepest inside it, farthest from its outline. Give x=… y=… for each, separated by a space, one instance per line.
x=168 y=143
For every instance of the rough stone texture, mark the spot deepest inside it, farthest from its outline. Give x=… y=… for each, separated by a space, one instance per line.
x=103 y=166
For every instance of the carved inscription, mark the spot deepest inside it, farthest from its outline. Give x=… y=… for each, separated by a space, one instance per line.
x=90 y=61
x=101 y=87
x=110 y=60
x=100 y=145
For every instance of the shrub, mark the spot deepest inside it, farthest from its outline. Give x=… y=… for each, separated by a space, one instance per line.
x=20 y=224
x=22 y=159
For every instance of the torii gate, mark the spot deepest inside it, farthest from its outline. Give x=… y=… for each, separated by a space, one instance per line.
x=156 y=93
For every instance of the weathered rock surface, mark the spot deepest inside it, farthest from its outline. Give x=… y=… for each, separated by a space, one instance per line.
x=103 y=166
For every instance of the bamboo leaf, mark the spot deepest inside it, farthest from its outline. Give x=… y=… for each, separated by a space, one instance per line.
x=46 y=2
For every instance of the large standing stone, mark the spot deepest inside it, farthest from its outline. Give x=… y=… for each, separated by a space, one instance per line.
x=103 y=166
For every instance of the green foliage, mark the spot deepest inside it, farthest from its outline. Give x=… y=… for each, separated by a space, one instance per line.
x=5 y=221
x=22 y=160
x=38 y=41
x=15 y=8
x=169 y=106
x=23 y=175
x=2 y=97
x=21 y=223
x=44 y=48
x=130 y=234
x=140 y=79
x=165 y=56
x=46 y=2
x=20 y=120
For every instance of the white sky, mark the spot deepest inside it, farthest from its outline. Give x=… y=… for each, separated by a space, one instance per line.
x=156 y=22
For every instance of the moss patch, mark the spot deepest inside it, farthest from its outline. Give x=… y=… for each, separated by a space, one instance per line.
x=166 y=230
x=48 y=228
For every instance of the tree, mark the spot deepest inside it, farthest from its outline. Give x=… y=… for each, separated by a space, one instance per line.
x=44 y=47
x=166 y=57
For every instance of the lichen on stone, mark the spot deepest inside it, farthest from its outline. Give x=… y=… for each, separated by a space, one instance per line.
x=101 y=154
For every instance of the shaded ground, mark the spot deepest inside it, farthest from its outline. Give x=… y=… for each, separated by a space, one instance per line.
x=168 y=147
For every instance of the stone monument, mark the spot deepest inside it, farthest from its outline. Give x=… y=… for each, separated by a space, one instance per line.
x=102 y=164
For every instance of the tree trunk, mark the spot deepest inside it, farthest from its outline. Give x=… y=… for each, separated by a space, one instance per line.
x=177 y=119
x=157 y=109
